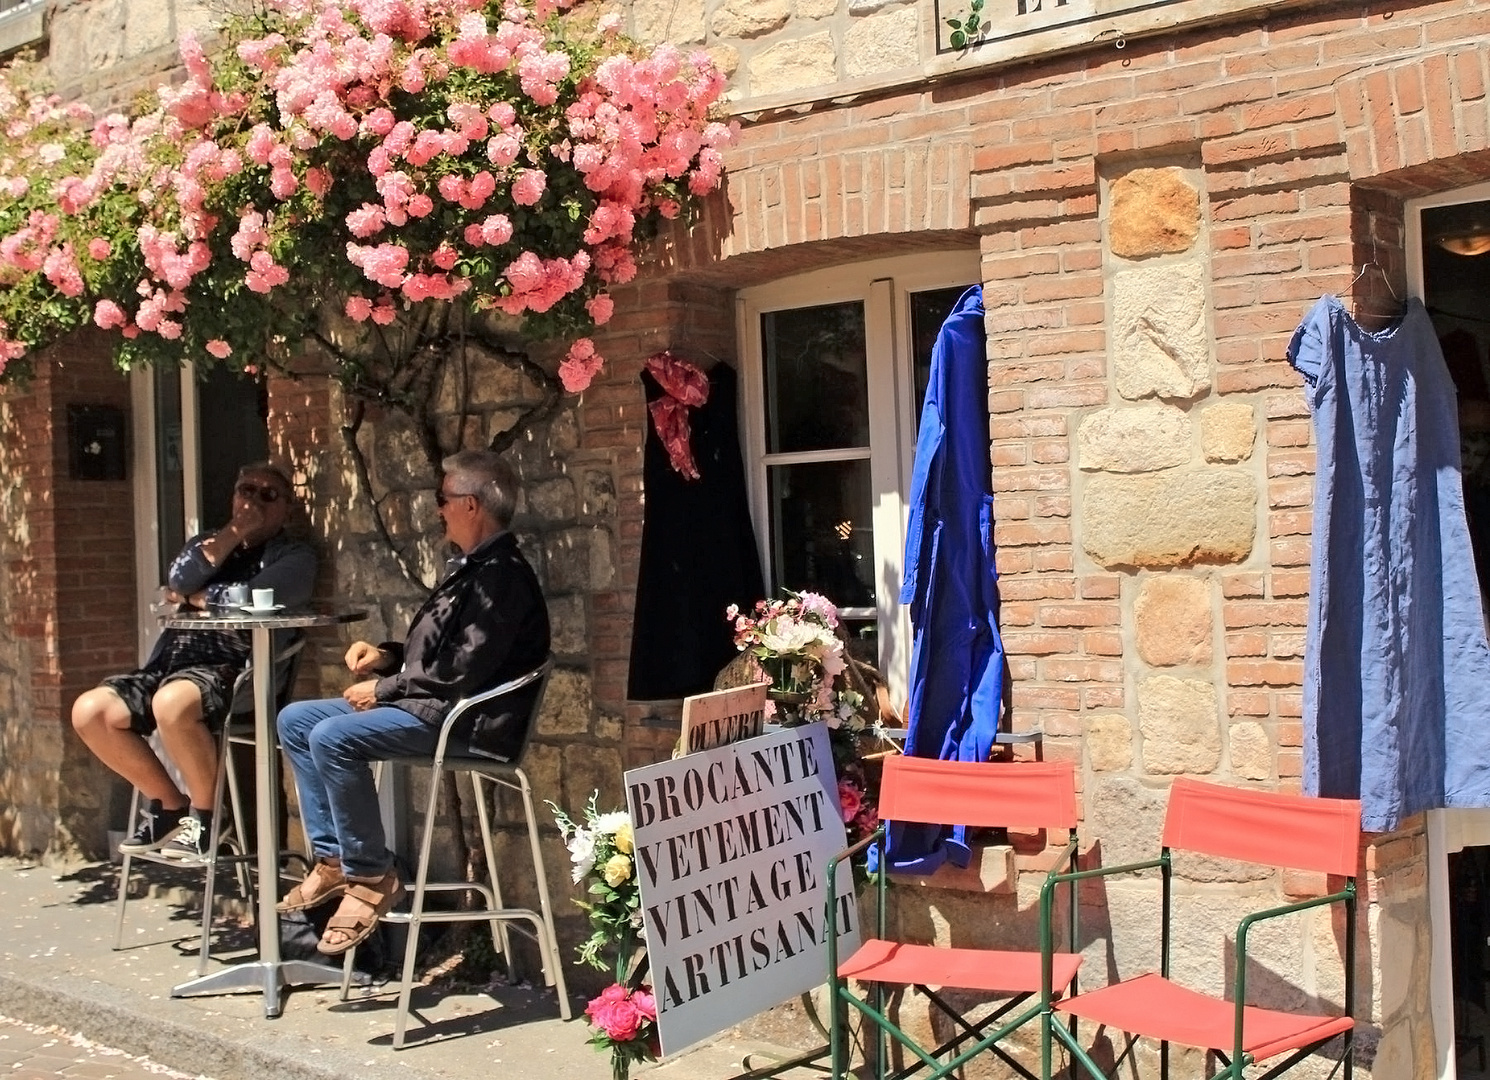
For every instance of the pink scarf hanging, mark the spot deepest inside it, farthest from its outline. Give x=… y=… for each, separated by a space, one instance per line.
x=685 y=387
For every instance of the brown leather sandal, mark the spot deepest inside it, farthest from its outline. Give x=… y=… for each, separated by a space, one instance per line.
x=363 y=904
x=324 y=883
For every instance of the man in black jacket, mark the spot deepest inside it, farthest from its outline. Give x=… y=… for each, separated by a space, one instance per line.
x=485 y=623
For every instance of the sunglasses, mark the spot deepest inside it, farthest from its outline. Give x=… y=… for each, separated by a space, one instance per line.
x=265 y=493
x=442 y=500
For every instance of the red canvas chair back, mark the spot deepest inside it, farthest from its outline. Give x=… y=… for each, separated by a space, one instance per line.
x=1298 y=831
x=1018 y=795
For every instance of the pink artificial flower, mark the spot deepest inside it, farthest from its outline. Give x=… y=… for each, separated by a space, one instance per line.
x=219 y=348
x=850 y=800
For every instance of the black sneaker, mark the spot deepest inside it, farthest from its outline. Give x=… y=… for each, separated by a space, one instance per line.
x=157 y=828
x=192 y=835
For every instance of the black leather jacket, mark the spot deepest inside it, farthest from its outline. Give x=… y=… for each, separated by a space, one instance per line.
x=484 y=624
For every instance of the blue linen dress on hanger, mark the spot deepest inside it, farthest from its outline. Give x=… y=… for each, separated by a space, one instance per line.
x=1396 y=663
x=957 y=658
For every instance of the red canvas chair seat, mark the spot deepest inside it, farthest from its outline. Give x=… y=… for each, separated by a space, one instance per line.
x=1153 y=1005
x=1035 y=795
x=993 y=970
x=1266 y=828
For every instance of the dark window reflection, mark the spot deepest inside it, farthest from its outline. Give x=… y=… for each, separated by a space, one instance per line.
x=928 y=311
x=822 y=536
x=817 y=384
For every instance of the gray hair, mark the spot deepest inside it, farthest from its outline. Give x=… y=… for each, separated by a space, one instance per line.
x=487 y=476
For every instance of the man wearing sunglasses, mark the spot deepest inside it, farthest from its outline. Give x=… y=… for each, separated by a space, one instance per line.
x=185 y=689
x=484 y=623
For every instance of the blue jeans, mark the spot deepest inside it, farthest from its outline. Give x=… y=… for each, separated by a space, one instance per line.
x=331 y=747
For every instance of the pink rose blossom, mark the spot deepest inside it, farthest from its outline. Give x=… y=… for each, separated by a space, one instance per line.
x=579 y=368
x=99 y=248
x=528 y=188
x=359 y=308
x=219 y=348
x=107 y=314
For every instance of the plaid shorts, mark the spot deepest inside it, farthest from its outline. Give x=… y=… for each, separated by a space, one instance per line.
x=215 y=681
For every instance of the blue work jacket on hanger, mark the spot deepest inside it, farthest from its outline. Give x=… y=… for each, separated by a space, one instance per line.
x=957 y=658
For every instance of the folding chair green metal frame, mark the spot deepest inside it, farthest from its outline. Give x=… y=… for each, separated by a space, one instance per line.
x=1017 y=795
x=1264 y=828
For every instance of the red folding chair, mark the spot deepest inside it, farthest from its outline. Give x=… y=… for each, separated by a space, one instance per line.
x=1266 y=828
x=1023 y=795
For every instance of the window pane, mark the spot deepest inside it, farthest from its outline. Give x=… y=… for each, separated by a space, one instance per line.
x=817 y=384
x=822 y=536
x=928 y=311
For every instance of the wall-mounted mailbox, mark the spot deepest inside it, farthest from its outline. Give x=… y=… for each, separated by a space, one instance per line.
x=96 y=439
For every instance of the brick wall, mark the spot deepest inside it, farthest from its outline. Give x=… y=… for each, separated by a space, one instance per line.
x=70 y=590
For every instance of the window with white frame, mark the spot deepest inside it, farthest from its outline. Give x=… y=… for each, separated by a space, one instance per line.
x=835 y=367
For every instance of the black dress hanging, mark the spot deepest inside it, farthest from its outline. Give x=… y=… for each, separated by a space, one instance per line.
x=698 y=553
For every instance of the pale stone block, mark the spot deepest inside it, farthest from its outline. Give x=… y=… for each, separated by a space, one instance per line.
x=1134 y=439
x=749 y=18
x=1154 y=212
x=726 y=58
x=1394 y=1057
x=1177 y=519
x=567 y=704
x=199 y=17
x=1159 y=332
x=1180 y=723
x=794 y=65
x=602 y=559
x=1251 y=751
x=1173 y=619
x=553 y=500
x=1228 y=431
x=861 y=7
x=570 y=627
x=879 y=43
x=398 y=460
x=1109 y=742
x=91 y=39
x=815 y=9
x=1127 y=816
x=568 y=561
x=589 y=768
x=597 y=493
x=147 y=27
x=678 y=21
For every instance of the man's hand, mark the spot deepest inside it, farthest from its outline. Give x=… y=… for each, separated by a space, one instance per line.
x=361 y=696
x=249 y=523
x=196 y=599
x=363 y=658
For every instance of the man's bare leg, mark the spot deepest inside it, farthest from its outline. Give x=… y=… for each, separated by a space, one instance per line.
x=101 y=720
x=178 y=716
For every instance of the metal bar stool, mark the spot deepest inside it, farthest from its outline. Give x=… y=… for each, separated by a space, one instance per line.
x=234 y=836
x=526 y=696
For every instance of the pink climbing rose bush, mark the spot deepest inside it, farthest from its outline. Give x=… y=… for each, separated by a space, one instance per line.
x=368 y=156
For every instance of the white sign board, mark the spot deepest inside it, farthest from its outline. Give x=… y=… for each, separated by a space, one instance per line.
x=731 y=845
x=725 y=716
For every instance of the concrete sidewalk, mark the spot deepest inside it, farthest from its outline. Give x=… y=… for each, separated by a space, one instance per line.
x=57 y=966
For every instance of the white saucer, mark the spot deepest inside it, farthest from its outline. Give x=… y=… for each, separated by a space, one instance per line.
x=262 y=610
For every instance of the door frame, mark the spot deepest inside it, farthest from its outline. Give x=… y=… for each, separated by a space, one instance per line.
x=1447 y=831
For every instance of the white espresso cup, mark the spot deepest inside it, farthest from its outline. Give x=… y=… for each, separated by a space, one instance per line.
x=263 y=598
x=235 y=595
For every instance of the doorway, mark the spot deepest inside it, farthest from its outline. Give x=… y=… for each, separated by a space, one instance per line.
x=196 y=429
x=1448 y=262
